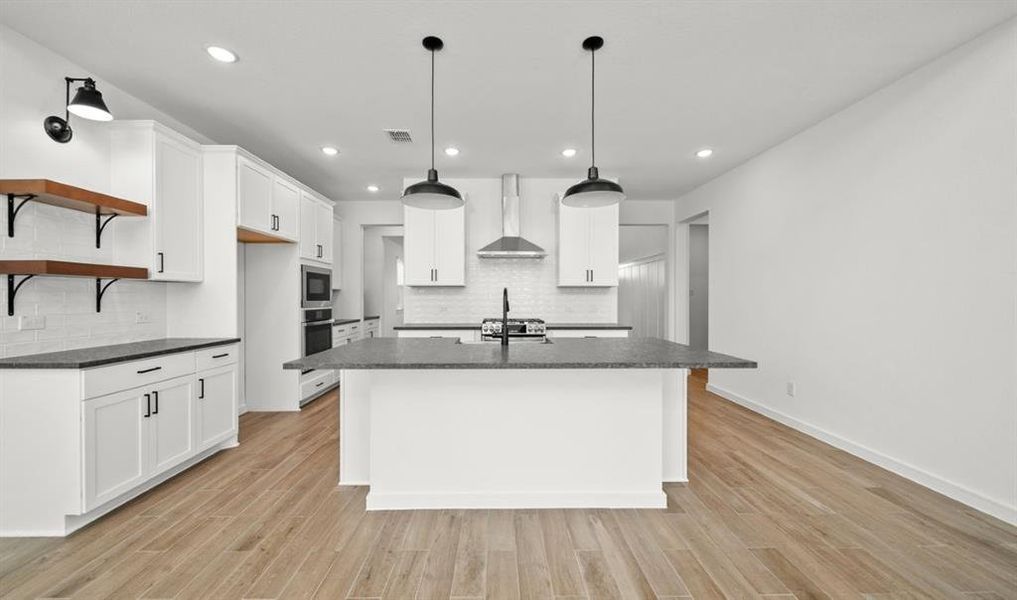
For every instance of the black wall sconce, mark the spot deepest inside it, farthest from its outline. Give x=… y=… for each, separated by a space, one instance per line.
x=87 y=104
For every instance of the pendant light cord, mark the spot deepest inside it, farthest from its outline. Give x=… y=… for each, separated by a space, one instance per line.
x=593 y=108
x=432 y=110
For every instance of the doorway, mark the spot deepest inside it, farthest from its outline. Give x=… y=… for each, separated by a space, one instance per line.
x=383 y=284
x=643 y=279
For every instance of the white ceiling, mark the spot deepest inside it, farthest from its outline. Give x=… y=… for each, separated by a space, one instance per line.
x=513 y=82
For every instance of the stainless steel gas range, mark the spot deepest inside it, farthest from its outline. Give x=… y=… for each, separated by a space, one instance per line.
x=519 y=330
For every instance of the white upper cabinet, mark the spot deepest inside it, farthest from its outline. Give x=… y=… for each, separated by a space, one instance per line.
x=163 y=169
x=254 y=196
x=587 y=246
x=267 y=202
x=286 y=208
x=315 y=229
x=435 y=246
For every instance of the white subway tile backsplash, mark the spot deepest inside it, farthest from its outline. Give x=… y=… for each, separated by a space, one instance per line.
x=533 y=292
x=49 y=232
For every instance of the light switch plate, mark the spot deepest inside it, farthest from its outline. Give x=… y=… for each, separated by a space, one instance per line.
x=792 y=387
x=142 y=317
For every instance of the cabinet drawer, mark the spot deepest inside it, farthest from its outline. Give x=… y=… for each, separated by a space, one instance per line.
x=210 y=358
x=124 y=376
x=315 y=384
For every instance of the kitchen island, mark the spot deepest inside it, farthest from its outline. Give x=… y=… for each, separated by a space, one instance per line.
x=434 y=423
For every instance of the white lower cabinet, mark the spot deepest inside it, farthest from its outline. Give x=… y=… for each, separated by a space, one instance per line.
x=107 y=434
x=217 y=406
x=116 y=445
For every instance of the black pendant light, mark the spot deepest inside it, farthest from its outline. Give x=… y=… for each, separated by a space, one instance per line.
x=593 y=191
x=432 y=194
x=87 y=104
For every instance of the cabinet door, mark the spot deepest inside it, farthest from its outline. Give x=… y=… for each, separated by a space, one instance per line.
x=172 y=423
x=308 y=230
x=573 y=246
x=418 y=246
x=286 y=208
x=324 y=229
x=450 y=246
x=116 y=445
x=178 y=212
x=603 y=245
x=254 y=188
x=216 y=406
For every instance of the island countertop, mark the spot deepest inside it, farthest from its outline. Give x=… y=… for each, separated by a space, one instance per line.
x=476 y=325
x=578 y=353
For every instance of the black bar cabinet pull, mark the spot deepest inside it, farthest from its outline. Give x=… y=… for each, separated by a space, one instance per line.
x=201 y=388
x=143 y=371
x=148 y=405
x=220 y=355
x=162 y=262
x=155 y=396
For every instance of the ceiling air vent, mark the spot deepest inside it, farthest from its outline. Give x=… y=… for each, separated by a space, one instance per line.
x=400 y=136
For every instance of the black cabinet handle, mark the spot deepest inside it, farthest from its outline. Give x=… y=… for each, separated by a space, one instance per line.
x=143 y=371
x=148 y=405
x=162 y=262
x=201 y=385
x=155 y=396
x=319 y=384
x=220 y=355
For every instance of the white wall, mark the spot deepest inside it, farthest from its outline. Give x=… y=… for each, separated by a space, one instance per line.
x=32 y=89
x=533 y=284
x=348 y=303
x=699 y=286
x=642 y=297
x=637 y=242
x=871 y=259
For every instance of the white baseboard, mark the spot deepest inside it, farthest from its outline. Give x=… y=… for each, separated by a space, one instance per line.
x=933 y=482
x=516 y=500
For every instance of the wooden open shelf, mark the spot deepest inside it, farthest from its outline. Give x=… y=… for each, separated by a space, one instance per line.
x=52 y=192
x=28 y=269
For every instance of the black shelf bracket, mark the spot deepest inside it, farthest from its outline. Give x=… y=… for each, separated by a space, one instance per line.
x=12 y=211
x=100 y=225
x=12 y=291
x=100 y=289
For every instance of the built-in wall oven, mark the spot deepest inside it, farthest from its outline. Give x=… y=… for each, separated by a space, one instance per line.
x=315 y=287
x=317 y=330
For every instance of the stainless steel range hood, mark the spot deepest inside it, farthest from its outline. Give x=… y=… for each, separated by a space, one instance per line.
x=510 y=244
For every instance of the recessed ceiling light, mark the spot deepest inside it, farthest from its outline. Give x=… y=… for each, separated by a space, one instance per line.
x=221 y=54
x=705 y=153
x=568 y=152
x=452 y=151
x=373 y=188
x=329 y=150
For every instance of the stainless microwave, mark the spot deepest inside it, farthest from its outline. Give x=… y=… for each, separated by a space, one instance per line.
x=315 y=287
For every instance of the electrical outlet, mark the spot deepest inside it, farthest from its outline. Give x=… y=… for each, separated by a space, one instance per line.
x=792 y=387
x=142 y=317
x=29 y=322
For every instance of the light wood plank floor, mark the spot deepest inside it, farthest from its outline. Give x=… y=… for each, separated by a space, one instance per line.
x=768 y=513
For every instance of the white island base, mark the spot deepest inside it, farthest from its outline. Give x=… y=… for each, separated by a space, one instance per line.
x=512 y=438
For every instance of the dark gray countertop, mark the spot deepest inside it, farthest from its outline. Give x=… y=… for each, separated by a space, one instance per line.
x=84 y=358
x=345 y=321
x=372 y=318
x=449 y=326
x=581 y=353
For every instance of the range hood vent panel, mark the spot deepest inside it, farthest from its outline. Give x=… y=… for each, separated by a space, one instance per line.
x=510 y=244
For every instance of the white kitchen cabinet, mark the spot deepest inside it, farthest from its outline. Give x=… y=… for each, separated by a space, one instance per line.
x=108 y=434
x=172 y=423
x=217 y=406
x=315 y=229
x=286 y=208
x=254 y=196
x=267 y=201
x=588 y=333
x=116 y=444
x=163 y=169
x=587 y=246
x=435 y=246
